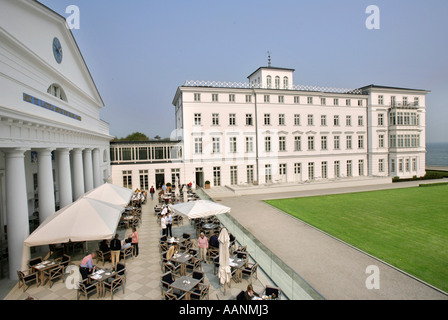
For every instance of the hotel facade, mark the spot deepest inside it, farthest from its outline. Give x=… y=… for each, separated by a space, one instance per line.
x=267 y=130
x=53 y=145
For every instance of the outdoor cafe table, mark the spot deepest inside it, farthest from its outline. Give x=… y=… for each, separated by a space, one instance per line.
x=239 y=264
x=210 y=226
x=182 y=258
x=43 y=266
x=185 y=284
x=101 y=275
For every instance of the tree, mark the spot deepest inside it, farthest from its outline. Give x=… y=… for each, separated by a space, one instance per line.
x=136 y=136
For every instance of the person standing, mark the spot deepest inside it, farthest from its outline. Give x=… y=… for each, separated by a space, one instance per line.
x=115 y=247
x=203 y=246
x=134 y=242
x=152 y=191
x=163 y=224
x=169 y=224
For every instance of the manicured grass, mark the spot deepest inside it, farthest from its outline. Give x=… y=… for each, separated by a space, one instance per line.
x=407 y=228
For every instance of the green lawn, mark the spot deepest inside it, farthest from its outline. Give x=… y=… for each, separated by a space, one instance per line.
x=407 y=228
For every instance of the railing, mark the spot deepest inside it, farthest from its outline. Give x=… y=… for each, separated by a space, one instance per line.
x=245 y=85
x=293 y=286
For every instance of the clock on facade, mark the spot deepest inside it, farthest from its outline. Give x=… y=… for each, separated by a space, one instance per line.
x=57 y=50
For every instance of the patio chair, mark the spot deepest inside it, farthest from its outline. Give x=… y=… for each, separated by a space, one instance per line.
x=250 y=271
x=198 y=275
x=121 y=270
x=103 y=256
x=216 y=265
x=212 y=252
x=54 y=274
x=192 y=266
x=194 y=252
x=170 y=294
x=126 y=253
x=240 y=296
x=114 y=284
x=87 y=289
x=26 y=278
x=34 y=261
x=166 y=280
x=201 y=292
x=272 y=291
x=168 y=266
x=64 y=261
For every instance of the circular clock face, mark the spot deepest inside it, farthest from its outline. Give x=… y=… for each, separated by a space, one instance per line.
x=57 y=50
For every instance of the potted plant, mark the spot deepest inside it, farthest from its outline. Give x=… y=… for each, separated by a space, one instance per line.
x=207 y=184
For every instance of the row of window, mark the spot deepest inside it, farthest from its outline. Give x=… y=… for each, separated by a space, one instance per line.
x=144 y=178
x=249 y=143
x=394 y=102
x=404 y=118
x=404 y=141
x=282 y=119
x=281 y=99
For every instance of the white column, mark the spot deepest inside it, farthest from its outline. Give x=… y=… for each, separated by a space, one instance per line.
x=65 y=178
x=88 y=169
x=97 y=181
x=77 y=174
x=16 y=211
x=45 y=184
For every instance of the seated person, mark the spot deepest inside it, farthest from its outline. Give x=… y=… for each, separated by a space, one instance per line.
x=125 y=244
x=104 y=246
x=214 y=242
x=250 y=294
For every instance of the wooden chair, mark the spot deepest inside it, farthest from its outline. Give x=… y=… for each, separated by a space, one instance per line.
x=114 y=285
x=87 y=289
x=201 y=292
x=121 y=270
x=212 y=253
x=126 y=253
x=168 y=266
x=64 y=261
x=250 y=271
x=54 y=274
x=271 y=291
x=198 y=275
x=166 y=280
x=34 y=261
x=240 y=296
x=26 y=278
x=170 y=294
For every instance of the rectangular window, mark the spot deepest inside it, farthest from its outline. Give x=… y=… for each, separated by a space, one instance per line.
x=359 y=103
x=311 y=143
x=323 y=143
x=360 y=142
x=381 y=141
x=360 y=121
x=414 y=164
x=249 y=119
x=380 y=100
x=309 y=100
x=249 y=144
x=127 y=179
x=233 y=175
x=297 y=119
x=336 y=120
x=392 y=165
x=416 y=101
x=323 y=101
x=348 y=142
x=250 y=173
x=281 y=99
x=296 y=99
x=217 y=176
x=267 y=144
x=215 y=119
x=381 y=165
x=216 y=145
x=197 y=97
x=248 y=98
x=281 y=143
x=297 y=143
x=266 y=98
x=281 y=119
x=337 y=169
x=175 y=173
x=324 y=170
x=143 y=179
x=361 y=167
x=310 y=170
x=232 y=146
x=349 y=168
x=197 y=145
x=336 y=143
x=231 y=98
x=348 y=102
x=323 y=120
x=380 y=119
x=297 y=168
x=215 y=97
x=267 y=119
x=348 y=120
x=310 y=120
x=282 y=169
x=268 y=173
x=232 y=119
x=336 y=102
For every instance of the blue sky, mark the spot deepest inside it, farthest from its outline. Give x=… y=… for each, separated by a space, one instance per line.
x=140 y=51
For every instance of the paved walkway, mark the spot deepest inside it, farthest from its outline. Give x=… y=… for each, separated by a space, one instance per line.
x=335 y=269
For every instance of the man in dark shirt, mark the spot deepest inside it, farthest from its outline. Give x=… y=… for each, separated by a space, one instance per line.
x=115 y=247
x=214 y=242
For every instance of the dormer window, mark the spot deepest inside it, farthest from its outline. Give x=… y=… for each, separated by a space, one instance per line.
x=285 y=82
x=268 y=81
x=57 y=91
x=277 y=82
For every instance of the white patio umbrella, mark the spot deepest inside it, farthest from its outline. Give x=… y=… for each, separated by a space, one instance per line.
x=84 y=220
x=199 y=209
x=111 y=193
x=224 y=271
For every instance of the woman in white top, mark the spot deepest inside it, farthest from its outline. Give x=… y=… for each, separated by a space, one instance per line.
x=163 y=224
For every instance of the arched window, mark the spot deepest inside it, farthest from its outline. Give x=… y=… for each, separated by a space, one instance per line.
x=268 y=81
x=57 y=91
x=285 y=82
x=277 y=82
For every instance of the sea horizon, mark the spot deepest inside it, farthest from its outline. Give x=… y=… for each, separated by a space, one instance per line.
x=437 y=154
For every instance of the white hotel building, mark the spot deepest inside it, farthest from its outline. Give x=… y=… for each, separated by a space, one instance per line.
x=268 y=130
x=53 y=145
